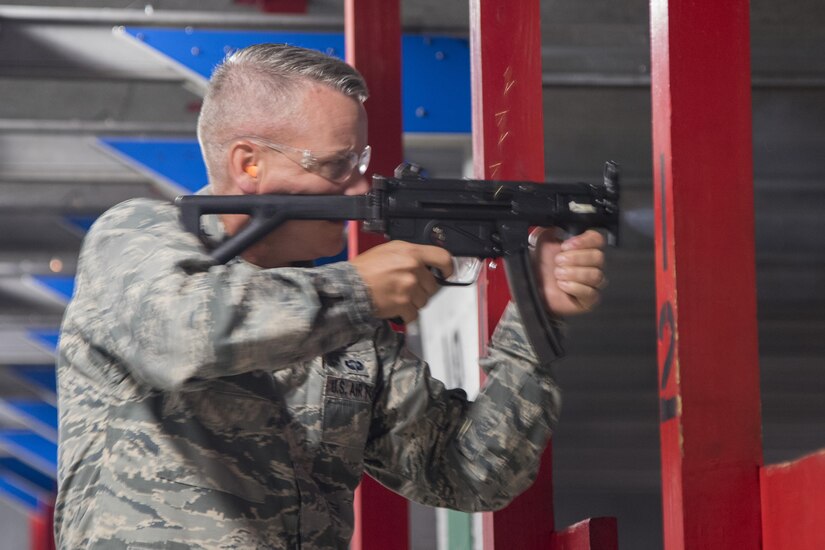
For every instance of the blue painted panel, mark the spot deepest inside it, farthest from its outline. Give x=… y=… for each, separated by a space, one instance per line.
x=436 y=85
x=342 y=257
x=35 y=477
x=46 y=338
x=200 y=50
x=41 y=376
x=83 y=223
x=60 y=285
x=177 y=161
x=17 y=494
x=35 y=411
x=32 y=449
x=435 y=70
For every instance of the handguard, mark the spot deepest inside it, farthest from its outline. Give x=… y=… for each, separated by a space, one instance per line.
x=479 y=218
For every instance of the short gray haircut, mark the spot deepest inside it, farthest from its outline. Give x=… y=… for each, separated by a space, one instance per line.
x=256 y=90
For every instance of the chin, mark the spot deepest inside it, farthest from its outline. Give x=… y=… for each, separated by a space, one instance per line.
x=334 y=244
x=331 y=250
x=304 y=241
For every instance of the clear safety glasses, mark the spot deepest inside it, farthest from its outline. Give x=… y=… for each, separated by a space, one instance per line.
x=334 y=166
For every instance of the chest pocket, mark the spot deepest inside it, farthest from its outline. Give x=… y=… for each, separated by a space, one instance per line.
x=349 y=388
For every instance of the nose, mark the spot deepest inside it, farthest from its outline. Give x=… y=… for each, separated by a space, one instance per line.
x=358 y=185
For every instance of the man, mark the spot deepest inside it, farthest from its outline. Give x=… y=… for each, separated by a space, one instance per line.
x=237 y=406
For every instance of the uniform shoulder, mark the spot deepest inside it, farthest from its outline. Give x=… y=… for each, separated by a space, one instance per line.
x=137 y=213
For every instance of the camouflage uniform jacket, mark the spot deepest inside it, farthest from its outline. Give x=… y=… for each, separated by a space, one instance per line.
x=230 y=406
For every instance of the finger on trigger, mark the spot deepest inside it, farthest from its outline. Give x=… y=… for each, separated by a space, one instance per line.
x=437 y=257
x=428 y=283
x=420 y=296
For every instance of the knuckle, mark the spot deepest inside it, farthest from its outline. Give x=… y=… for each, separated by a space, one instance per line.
x=407 y=281
x=410 y=262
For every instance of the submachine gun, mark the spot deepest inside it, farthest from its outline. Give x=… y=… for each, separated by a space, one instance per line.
x=469 y=218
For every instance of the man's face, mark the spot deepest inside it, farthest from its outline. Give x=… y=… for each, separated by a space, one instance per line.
x=329 y=124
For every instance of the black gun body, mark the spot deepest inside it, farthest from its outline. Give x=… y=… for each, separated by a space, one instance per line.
x=475 y=217
x=486 y=219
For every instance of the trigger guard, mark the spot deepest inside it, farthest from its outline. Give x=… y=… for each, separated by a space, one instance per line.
x=465 y=272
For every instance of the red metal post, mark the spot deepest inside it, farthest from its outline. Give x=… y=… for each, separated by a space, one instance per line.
x=706 y=290
x=508 y=143
x=372 y=33
x=373 y=46
x=792 y=504
x=590 y=534
x=41 y=527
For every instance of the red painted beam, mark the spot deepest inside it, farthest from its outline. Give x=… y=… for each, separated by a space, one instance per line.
x=372 y=35
x=706 y=289
x=373 y=45
x=508 y=128
x=792 y=505
x=590 y=534
x=508 y=143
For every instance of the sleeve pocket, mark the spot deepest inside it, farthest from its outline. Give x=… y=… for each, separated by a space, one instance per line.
x=346 y=422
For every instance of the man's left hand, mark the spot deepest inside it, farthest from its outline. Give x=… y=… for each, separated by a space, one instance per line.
x=569 y=272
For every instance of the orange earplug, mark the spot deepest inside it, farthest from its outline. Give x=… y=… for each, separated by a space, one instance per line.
x=252 y=170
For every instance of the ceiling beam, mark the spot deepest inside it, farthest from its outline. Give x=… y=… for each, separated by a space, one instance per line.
x=170 y=18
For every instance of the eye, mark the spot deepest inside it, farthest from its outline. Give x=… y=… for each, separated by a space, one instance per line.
x=336 y=168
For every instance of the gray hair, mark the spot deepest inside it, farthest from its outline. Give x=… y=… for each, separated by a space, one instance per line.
x=256 y=90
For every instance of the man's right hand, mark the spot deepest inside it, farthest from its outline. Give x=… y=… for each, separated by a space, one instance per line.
x=398 y=276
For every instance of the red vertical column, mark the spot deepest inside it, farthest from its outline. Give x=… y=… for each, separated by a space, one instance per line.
x=41 y=527
x=706 y=291
x=508 y=127
x=792 y=504
x=372 y=34
x=373 y=46
x=508 y=143
x=590 y=534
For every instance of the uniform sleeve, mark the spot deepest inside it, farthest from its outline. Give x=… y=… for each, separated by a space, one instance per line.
x=435 y=447
x=148 y=294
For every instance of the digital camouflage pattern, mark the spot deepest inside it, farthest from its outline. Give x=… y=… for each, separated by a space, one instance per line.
x=206 y=406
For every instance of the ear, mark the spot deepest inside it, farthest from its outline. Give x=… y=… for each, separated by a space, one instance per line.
x=243 y=166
